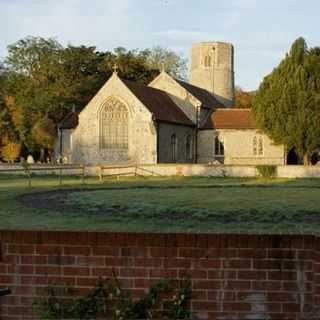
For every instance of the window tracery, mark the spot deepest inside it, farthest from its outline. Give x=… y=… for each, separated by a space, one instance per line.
x=114 y=126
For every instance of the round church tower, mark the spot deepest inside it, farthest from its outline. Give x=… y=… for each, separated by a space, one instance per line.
x=212 y=69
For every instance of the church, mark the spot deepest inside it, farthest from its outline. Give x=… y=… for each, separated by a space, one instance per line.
x=170 y=120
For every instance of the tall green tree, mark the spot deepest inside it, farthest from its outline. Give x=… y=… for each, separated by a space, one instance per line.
x=7 y=128
x=131 y=64
x=287 y=104
x=162 y=58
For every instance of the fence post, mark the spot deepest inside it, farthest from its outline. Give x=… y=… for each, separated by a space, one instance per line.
x=29 y=178
x=26 y=167
x=82 y=174
x=100 y=174
x=60 y=177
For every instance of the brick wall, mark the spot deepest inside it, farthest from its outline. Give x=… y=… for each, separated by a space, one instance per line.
x=233 y=276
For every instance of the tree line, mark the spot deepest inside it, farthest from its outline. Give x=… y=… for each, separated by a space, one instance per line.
x=41 y=81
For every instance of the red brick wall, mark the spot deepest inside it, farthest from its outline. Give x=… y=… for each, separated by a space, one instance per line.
x=233 y=276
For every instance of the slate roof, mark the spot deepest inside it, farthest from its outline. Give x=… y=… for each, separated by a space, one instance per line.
x=70 y=121
x=158 y=103
x=230 y=118
x=204 y=96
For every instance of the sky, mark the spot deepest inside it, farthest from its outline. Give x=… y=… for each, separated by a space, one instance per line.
x=260 y=30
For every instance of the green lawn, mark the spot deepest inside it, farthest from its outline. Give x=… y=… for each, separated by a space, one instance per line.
x=162 y=204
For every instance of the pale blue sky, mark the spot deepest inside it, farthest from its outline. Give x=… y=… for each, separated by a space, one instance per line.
x=261 y=31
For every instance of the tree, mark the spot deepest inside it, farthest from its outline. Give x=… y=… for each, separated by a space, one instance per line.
x=287 y=104
x=243 y=99
x=131 y=65
x=44 y=132
x=11 y=151
x=46 y=80
x=7 y=128
x=162 y=58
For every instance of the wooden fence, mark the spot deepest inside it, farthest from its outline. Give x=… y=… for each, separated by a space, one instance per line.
x=30 y=171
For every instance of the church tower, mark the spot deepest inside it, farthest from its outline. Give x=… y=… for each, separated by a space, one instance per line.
x=212 y=69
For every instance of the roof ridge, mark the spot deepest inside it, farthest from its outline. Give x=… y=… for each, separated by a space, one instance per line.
x=158 y=102
x=192 y=85
x=142 y=85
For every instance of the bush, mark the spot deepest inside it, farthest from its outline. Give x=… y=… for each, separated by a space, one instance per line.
x=108 y=301
x=11 y=151
x=267 y=171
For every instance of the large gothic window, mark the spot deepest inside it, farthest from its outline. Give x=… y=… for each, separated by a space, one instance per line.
x=114 y=126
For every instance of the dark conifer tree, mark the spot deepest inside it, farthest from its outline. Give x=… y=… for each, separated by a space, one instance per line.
x=287 y=104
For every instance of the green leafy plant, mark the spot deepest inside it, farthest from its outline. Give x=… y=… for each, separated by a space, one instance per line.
x=267 y=171
x=179 y=309
x=109 y=301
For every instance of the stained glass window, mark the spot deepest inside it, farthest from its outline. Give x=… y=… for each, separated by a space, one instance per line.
x=114 y=126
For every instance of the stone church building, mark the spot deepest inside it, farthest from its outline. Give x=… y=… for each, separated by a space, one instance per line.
x=169 y=121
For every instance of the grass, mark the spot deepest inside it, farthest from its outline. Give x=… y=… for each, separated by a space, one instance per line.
x=174 y=204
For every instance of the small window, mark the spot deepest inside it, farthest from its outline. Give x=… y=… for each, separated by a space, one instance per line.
x=174 y=148
x=218 y=146
x=189 y=147
x=260 y=146
x=257 y=146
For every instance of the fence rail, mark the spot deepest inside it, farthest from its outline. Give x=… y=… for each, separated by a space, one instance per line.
x=28 y=170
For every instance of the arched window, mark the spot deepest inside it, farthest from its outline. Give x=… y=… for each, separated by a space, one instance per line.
x=218 y=146
x=189 y=147
x=207 y=61
x=174 y=148
x=114 y=127
x=255 y=146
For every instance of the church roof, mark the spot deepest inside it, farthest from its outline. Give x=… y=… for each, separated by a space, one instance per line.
x=205 y=97
x=70 y=121
x=230 y=118
x=158 y=103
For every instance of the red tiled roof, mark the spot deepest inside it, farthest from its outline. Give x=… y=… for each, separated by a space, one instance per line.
x=230 y=119
x=158 y=103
